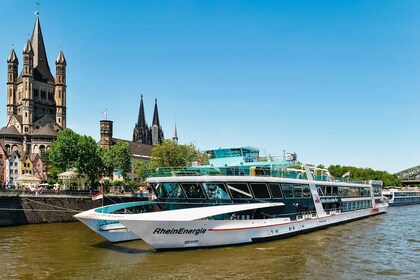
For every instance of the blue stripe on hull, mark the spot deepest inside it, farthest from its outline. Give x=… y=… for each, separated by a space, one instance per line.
x=403 y=203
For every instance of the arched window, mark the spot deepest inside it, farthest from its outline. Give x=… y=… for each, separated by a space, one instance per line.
x=41 y=150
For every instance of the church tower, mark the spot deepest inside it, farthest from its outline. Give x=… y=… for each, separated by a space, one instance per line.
x=12 y=75
x=60 y=90
x=36 y=100
x=157 y=133
x=141 y=130
x=106 y=134
x=175 y=138
x=25 y=91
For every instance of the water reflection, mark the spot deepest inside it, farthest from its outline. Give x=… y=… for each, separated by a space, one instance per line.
x=381 y=247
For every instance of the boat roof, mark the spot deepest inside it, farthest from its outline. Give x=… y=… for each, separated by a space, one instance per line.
x=189 y=214
x=255 y=149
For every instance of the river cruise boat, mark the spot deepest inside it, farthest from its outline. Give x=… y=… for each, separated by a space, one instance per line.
x=406 y=196
x=218 y=206
x=243 y=157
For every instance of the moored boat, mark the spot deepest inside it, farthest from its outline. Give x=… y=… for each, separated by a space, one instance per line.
x=405 y=196
x=246 y=208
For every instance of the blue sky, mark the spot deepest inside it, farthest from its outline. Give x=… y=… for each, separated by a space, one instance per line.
x=337 y=82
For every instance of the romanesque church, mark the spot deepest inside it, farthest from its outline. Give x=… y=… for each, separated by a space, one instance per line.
x=36 y=100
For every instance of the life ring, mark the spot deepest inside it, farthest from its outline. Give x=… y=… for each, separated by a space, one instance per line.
x=317 y=200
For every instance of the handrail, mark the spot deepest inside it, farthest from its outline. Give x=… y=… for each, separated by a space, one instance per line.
x=241 y=171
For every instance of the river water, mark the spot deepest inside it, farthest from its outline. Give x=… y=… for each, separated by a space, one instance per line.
x=381 y=247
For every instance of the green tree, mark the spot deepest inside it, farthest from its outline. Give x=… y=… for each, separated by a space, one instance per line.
x=63 y=152
x=118 y=158
x=89 y=158
x=364 y=174
x=170 y=154
x=140 y=168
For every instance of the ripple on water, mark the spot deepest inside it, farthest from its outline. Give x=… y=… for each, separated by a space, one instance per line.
x=381 y=247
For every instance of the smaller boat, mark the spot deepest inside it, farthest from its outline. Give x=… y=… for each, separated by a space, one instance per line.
x=405 y=196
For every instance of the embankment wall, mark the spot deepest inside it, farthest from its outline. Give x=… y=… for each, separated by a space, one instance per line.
x=21 y=210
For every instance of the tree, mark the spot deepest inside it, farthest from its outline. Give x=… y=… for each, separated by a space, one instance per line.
x=118 y=158
x=170 y=154
x=89 y=160
x=63 y=151
x=364 y=174
x=140 y=168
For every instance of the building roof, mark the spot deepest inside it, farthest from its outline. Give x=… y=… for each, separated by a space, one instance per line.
x=61 y=59
x=138 y=150
x=42 y=70
x=11 y=130
x=28 y=47
x=46 y=130
x=12 y=57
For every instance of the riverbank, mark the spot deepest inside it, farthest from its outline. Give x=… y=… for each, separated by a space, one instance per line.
x=22 y=209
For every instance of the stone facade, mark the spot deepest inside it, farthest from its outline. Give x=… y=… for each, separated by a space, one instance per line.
x=36 y=101
x=36 y=108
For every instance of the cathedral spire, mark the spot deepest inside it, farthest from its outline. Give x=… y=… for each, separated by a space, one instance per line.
x=156 y=115
x=141 y=122
x=175 y=138
x=40 y=55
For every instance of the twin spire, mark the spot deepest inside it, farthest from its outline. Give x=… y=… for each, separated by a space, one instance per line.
x=142 y=132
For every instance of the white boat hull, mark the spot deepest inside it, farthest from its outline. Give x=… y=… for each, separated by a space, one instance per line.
x=210 y=233
x=116 y=232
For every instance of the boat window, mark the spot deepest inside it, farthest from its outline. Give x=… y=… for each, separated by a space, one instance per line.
x=320 y=190
x=306 y=191
x=275 y=190
x=287 y=190
x=239 y=190
x=343 y=191
x=365 y=191
x=354 y=191
x=174 y=190
x=260 y=190
x=216 y=191
x=160 y=191
x=193 y=190
x=297 y=190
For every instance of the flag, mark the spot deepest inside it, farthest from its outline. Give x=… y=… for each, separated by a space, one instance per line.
x=97 y=196
x=104 y=113
x=347 y=174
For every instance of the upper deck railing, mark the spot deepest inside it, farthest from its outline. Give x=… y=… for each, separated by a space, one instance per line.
x=242 y=171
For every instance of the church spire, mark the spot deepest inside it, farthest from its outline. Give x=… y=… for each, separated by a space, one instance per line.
x=156 y=115
x=40 y=55
x=141 y=122
x=175 y=138
x=12 y=57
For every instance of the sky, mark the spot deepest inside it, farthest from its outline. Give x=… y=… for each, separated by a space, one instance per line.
x=337 y=82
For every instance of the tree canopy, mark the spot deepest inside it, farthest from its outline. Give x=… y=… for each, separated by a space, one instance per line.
x=365 y=174
x=63 y=152
x=118 y=158
x=170 y=154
